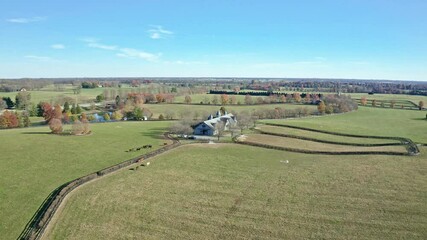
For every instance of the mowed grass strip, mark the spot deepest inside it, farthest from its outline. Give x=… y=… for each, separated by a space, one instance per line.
x=323 y=136
x=316 y=146
x=242 y=192
x=34 y=162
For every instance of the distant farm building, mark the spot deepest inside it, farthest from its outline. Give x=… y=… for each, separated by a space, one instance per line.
x=208 y=127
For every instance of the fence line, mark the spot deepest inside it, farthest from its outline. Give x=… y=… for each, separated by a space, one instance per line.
x=321 y=152
x=409 y=144
x=38 y=223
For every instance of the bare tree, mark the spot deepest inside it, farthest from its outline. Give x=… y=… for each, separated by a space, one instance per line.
x=244 y=121
x=219 y=129
x=182 y=127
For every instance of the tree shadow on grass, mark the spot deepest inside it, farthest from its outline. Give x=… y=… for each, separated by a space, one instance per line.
x=422 y=118
x=156 y=133
x=36 y=133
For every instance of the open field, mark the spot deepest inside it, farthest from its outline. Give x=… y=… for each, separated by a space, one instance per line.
x=369 y=121
x=316 y=146
x=322 y=136
x=194 y=192
x=86 y=95
x=205 y=110
x=396 y=97
x=197 y=98
x=33 y=163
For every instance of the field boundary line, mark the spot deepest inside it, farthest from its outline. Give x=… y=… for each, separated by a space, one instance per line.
x=44 y=214
x=330 y=142
x=288 y=149
x=409 y=144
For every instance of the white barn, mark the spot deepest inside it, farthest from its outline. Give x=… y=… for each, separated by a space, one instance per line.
x=208 y=127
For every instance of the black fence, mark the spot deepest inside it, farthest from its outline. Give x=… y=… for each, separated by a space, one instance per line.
x=38 y=223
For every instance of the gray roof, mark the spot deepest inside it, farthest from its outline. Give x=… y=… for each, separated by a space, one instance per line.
x=211 y=122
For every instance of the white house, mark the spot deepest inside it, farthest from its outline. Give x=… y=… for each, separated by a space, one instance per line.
x=208 y=127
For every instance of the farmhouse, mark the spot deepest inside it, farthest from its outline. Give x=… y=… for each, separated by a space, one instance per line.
x=208 y=127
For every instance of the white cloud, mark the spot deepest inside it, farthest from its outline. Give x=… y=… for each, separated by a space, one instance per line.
x=89 y=39
x=121 y=51
x=57 y=46
x=39 y=58
x=102 y=46
x=94 y=43
x=158 y=32
x=134 y=53
x=26 y=20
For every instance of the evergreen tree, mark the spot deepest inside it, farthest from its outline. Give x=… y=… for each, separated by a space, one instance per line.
x=66 y=107
x=78 y=109
x=10 y=104
x=73 y=109
x=118 y=100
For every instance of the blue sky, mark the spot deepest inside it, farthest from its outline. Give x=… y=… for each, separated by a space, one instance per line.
x=372 y=39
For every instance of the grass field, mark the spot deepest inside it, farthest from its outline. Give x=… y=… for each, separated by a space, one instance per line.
x=280 y=141
x=86 y=95
x=370 y=121
x=197 y=98
x=387 y=97
x=33 y=163
x=322 y=136
x=241 y=192
x=205 y=110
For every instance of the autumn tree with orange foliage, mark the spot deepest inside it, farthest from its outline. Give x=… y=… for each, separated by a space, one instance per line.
x=363 y=101
x=187 y=99
x=321 y=107
x=48 y=111
x=224 y=99
x=297 y=97
x=55 y=125
x=9 y=120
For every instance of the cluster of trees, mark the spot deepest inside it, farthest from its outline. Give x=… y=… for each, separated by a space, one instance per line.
x=13 y=85
x=264 y=93
x=336 y=104
x=81 y=127
x=22 y=101
x=56 y=116
x=139 y=99
x=225 y=99
x=89 y=84
x=341 y=85
x=12 y=119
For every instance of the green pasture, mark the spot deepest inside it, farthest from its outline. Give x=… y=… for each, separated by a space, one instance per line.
x=86 y=95
x=203 y=111
x=300 y=144
x=197 y=98
x=228 y=191
x=34 y=162
x=322 y=136
x=388 y=97
x=369 y=121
